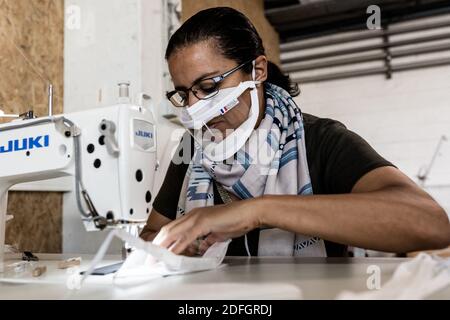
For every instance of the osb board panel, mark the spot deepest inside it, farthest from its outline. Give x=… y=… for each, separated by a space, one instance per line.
x=253 y=9
x=36 y=27
x=37 y=221
x=32 y=32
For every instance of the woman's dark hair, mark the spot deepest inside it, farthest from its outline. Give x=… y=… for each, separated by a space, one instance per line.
x=235 y=37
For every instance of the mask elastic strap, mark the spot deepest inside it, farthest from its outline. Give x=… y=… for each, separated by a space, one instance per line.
x=254 y=74
x=253 y=70
x=197 y=144
x=207 y=128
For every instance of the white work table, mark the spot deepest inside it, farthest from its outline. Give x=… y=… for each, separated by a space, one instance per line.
x=241 y=278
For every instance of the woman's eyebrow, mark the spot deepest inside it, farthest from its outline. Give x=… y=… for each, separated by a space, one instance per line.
x=202 y=77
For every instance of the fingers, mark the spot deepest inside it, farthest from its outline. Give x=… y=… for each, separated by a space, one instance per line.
x=210 y=240
x=166 y=242
x=168 y=233
x=204 y=245
x=179 y=234
x=191 y=250
x=160 y=237
x=182 y=242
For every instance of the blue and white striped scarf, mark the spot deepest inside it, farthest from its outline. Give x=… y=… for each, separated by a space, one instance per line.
x=273 y=161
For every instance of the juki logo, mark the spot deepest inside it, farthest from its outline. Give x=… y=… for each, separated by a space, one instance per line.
x=25 y=144
x=144 y=134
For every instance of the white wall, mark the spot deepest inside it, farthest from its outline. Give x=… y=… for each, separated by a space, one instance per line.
x=402 y=118
x=117 y=40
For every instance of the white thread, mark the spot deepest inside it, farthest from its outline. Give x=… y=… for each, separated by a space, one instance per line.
x=246 y=246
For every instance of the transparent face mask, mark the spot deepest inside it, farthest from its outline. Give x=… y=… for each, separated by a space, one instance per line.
x=221 y=125
x=234 y=115
x=222 y=121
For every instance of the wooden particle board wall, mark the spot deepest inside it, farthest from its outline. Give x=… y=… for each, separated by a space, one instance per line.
x=37 y=223
x=253 y=9
x=32 y=33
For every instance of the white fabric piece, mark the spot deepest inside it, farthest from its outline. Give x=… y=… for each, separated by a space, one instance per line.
x=149 y=259
x=412 y=280
x=275 y=242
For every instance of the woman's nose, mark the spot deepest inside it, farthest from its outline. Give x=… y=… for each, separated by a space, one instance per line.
x=192 y=99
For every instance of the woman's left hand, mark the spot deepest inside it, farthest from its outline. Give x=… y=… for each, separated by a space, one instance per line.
x=218 y=223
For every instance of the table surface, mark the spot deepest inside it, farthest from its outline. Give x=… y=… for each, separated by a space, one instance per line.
x=241 y=278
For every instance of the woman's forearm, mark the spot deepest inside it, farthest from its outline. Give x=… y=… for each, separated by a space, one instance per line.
x=393 y=219
x=148 y=235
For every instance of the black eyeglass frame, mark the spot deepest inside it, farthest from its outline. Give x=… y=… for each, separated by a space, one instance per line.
x=216 y=79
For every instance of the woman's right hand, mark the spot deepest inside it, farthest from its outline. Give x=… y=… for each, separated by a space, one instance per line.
x=154 y=224
x=192 y=250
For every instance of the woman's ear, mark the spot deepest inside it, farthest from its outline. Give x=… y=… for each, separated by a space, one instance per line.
x=261 y=68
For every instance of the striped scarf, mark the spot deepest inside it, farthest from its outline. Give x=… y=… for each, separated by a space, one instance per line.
x=273 y=161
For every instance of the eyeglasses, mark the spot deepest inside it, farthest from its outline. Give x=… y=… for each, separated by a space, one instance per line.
x=202 y=89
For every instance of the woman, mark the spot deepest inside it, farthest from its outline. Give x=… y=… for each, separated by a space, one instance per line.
x=327 y=188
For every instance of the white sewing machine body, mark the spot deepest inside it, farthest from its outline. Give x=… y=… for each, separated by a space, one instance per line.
x=113 y=170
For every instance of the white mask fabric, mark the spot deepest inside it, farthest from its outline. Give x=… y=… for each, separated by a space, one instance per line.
x=149 y=260
x=416 y=279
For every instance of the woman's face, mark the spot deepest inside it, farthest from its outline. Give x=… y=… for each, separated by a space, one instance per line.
x=202 y=60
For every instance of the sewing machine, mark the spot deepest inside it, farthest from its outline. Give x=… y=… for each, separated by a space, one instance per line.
x=110 y=152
